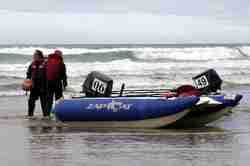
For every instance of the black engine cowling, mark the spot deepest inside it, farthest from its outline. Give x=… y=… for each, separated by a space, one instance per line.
x=97 y=85
x=208 y=81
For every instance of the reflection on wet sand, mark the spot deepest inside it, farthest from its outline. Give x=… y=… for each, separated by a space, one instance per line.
x=75 y=145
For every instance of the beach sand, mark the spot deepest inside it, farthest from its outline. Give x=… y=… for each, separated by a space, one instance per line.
x=27 y=142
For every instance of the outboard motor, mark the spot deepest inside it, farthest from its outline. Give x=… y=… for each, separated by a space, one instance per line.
x=97 y=85
x=207 y=82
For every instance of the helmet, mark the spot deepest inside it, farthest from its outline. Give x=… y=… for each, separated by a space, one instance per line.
x=58 y=52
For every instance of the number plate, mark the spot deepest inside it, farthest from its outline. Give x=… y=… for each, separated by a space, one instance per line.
x=201 y=82
x=99 y=86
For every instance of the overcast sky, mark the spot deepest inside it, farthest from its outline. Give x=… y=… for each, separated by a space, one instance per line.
x=124 y=21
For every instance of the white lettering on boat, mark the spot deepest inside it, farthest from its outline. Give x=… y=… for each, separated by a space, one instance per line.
x=114 y=106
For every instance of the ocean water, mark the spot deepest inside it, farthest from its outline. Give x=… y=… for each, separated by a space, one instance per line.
x=138 y=66
x=35 y=142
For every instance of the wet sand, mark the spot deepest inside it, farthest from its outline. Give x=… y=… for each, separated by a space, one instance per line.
x=27 y=142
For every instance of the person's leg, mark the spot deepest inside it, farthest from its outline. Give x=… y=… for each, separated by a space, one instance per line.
x=50 y=95
x=50 y=100
x=58 y=91
x=31 y=102
x=43 y=101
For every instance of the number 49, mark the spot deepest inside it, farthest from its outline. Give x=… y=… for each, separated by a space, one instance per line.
x=201 y=82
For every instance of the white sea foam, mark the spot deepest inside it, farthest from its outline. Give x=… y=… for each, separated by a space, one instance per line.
x=129 y=67
x=202 y=53
x=143 y=68
x=147 y=53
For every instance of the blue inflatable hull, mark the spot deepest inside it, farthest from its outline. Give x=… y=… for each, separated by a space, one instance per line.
x=207 y=112
x=148 y=112
x=227 y=101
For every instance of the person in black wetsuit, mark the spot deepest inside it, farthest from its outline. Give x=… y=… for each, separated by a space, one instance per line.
x=37 y=73
x=56 y=77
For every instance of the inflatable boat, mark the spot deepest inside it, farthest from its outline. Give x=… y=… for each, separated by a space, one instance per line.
x=123 y=112
x=186 y=106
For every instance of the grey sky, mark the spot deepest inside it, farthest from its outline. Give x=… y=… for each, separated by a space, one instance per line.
x=119 y=21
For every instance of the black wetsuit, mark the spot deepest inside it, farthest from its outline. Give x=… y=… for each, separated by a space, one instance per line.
x=55 y=87
x=37 y=72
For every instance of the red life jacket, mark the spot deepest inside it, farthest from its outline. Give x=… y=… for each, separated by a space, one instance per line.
x=54 y=63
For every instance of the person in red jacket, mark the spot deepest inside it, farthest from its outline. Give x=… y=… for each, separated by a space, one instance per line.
x=37 y=73
x=56 y=77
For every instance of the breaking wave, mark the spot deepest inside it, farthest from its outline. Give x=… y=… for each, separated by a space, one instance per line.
x=141 y=66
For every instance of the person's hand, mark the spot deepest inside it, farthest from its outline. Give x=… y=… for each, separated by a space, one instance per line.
x=65 y=84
